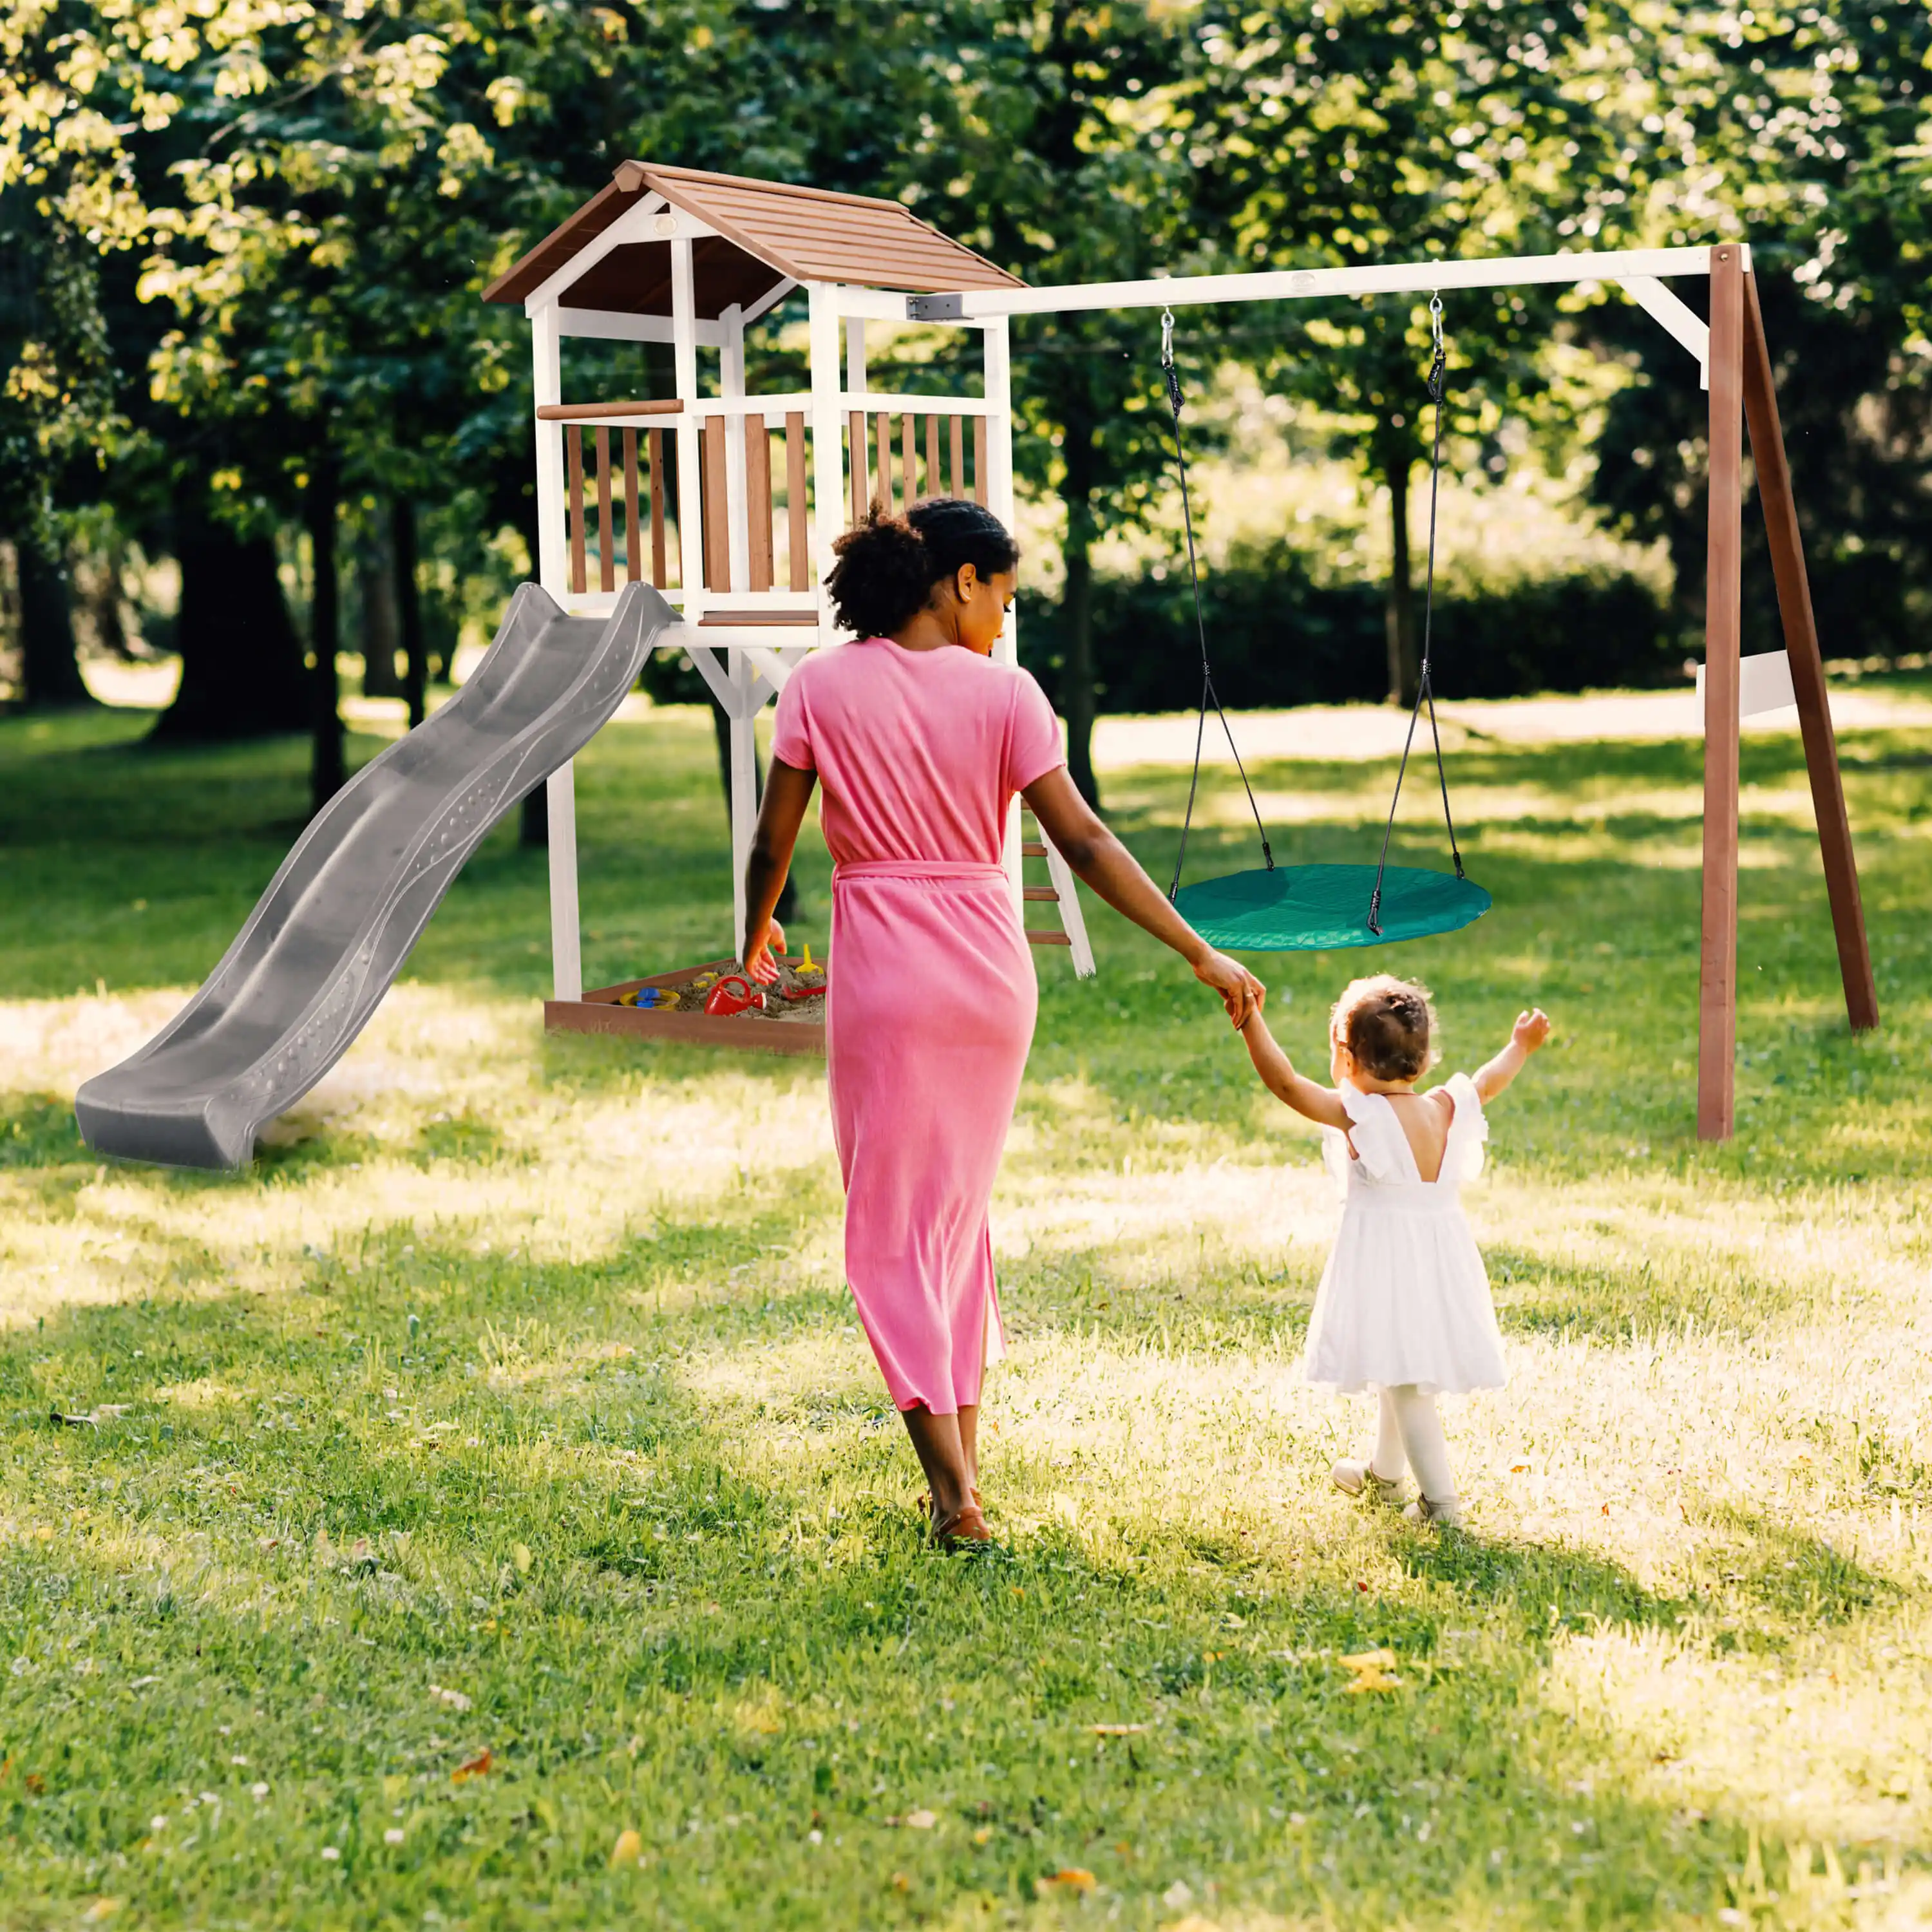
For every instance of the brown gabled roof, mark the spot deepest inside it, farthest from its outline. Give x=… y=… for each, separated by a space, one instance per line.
x=768 y=231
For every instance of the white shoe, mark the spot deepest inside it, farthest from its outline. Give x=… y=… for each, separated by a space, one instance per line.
x=1448 y=1513
x=1353 y=1478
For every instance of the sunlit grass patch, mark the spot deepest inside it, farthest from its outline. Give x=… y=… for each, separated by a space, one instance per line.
x=513 y=1405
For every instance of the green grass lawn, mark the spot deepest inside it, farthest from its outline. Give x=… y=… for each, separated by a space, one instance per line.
x=497 y=1470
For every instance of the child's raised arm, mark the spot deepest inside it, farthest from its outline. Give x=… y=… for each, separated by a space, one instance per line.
x=1322 y=1105
x=1531 y=1030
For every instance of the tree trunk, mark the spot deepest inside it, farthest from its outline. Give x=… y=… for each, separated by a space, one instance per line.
x=50 y=679
x=327 y=767
x=1076 y=610
x=721 y=725
x=241 y=660
x=1400 y=613
x=408 y=608
x=381 y=624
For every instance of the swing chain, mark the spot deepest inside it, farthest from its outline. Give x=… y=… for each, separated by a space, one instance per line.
x=1209 y=695
x=1425 y=690
x=1169 y=374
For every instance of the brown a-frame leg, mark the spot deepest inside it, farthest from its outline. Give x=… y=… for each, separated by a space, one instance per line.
x=1741 y=385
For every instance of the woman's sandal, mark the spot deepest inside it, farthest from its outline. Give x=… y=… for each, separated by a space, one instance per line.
x=965 y=1527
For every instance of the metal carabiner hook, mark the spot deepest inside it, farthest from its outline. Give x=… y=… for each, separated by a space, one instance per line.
x=1167 y=338
x=1435 y=319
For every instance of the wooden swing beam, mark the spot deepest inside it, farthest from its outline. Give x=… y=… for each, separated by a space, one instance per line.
x=1737 y=370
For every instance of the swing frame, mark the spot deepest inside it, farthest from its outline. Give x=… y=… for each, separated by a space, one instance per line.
x=1734 y=360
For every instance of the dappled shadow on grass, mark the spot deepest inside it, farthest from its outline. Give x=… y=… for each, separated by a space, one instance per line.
x=647 y=1618
x=1795 y=1582
x=1566 y=1589
x=1608 y=1301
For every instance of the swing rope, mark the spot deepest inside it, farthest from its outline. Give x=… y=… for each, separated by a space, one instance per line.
x=1172 y=375
x=1424 y=693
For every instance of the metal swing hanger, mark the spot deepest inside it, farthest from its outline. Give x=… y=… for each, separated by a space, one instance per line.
x=1437 y=385
x=1170 y=376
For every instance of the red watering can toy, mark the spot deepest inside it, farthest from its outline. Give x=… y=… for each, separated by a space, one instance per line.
x=733 y=994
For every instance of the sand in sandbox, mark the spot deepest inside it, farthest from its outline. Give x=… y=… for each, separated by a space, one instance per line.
x=777 y=1008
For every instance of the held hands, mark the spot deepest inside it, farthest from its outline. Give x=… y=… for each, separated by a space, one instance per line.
x=1241 y=993
x=758 y=944
x=1531 y=1030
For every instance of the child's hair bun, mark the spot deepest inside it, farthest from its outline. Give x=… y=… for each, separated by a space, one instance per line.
x=887 y=564
x=883 y=575
x=1388 y=1026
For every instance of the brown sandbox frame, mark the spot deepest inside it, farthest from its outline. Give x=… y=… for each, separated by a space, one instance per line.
x=598 y=1012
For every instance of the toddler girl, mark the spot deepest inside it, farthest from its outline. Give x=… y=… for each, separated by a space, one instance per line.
x=1404 y=1304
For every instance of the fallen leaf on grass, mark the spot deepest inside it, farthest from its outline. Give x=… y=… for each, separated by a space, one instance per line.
x=628 y=1848
x=478 y=1767
x=900 y=1882
x=1072 y=1878
x=983 y=1836
x=101 y=1908
x=519 y=1555
x=1116 y=1730
x=1371 y=1669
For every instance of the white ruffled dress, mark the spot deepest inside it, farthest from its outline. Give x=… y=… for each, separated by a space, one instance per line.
x=1405 y=1298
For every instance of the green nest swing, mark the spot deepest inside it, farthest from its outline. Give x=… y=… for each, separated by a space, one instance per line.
x=1318 y=908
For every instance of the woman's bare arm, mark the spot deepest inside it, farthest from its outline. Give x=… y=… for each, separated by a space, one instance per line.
x=787 y=793
x=1098 y=857
x=1322 y=1105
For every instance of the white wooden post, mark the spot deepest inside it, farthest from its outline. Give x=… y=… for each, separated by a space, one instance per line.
x=744 y=787
x=999 y=387
x=690 y=497
x=828 y=468
x=552 y=564
x=855 y=355
x=737 y=508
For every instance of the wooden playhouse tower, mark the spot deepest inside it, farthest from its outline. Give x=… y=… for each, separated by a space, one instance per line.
x=728 y=502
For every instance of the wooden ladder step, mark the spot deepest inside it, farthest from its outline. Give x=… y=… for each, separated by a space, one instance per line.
x=1036 y=936
x=1044 y=893
x=1032 y=848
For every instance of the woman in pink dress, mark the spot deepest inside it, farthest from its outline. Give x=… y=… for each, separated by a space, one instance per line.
x=921 y=741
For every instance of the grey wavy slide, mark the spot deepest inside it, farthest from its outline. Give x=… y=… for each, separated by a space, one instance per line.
x=330 y=935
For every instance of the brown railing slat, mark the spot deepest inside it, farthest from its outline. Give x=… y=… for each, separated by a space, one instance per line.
x=799 y=542
x=633 y=537
x=909 y=455
x=607 y=542
x=660 y=575
x=861 y=489
x=935 y=484
x=758 y=501
x=882 y=494
x=590 y=412
x=959 y=455
x=980 y=461
x=711 y=473
x=573 y=455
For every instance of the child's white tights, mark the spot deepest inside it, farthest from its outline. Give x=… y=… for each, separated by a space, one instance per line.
x=1408 y=1431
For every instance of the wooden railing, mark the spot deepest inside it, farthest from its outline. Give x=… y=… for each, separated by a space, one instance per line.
x=761 y=506
x=872 y=482
x=642 y=490
x=629 y=486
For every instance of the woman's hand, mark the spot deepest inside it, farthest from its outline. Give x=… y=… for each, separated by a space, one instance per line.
x=1241 y=993
x=758 y=944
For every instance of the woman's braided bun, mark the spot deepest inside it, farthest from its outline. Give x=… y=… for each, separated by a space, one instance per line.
x=888 y=565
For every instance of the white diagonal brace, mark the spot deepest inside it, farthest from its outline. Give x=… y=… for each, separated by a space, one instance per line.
x=1678 y=317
